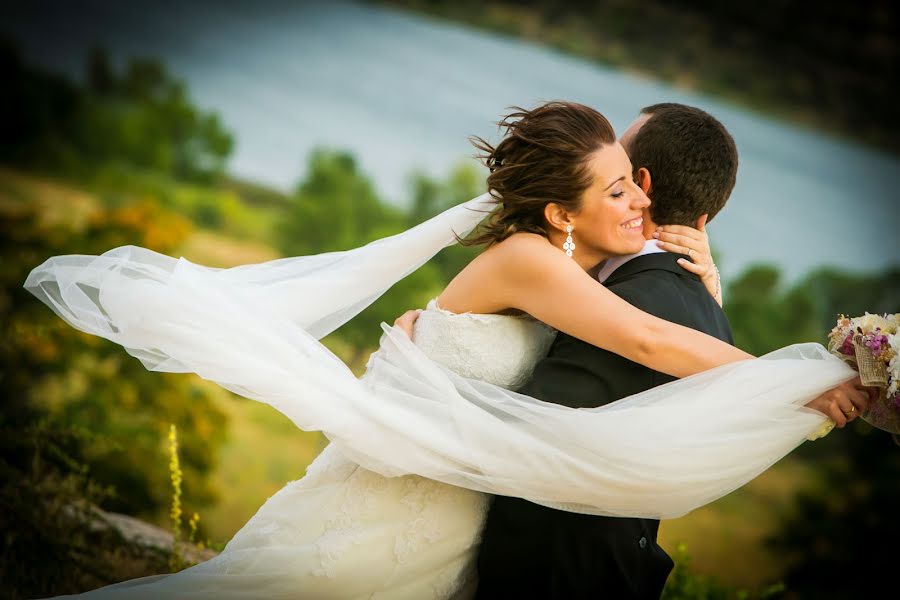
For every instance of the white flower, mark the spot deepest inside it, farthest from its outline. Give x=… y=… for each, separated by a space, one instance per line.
x=868 y=323
x=894 y=365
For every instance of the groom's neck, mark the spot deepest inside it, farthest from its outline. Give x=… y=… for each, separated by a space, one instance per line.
x=649 y=226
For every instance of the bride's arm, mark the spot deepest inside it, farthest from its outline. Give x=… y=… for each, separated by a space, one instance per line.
x=527 y=273
x=531 y=275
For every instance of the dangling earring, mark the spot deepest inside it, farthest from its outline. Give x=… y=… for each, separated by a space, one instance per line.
x=569 y=245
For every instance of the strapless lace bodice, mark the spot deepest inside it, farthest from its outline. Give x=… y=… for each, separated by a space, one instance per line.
x=498 y=349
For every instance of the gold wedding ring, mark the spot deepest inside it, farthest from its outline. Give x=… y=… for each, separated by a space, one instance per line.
x=847 y=412
x=691 y=252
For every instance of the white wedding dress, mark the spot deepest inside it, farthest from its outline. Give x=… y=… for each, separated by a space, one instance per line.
x=371 y=518
x=344 y=532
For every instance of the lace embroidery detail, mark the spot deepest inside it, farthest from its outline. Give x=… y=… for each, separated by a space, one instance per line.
x=467 y=343
x=345 y=527
x=423 y=498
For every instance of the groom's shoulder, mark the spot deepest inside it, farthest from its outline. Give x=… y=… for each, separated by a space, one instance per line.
x=654 y=279
x=659 y=286
x=656 y=284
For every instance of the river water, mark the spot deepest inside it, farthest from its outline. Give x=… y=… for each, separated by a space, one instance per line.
x=403 y=92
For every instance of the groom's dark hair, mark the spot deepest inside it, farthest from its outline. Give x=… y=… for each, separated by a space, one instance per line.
x=692 y=161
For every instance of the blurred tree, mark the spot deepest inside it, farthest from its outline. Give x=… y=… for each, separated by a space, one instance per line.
x=101 y=78
x=846 y=523
x=432 y=196
x=336 y=207
x=141 y=118
x=839 y=524
x=834 y=292
x=38 y=110
x=74 y=380
x=765 y=317
x=682 y=584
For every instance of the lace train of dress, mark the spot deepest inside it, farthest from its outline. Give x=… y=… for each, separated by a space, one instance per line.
x=344 y=532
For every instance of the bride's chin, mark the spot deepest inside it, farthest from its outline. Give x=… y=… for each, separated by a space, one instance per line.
x=633 y=243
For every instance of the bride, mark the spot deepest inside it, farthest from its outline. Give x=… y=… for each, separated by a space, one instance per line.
x=394 y=506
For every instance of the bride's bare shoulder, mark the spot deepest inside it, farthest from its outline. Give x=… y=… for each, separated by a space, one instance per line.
x=518 y=245
x=512 y=257
x=486 y=284
x=521 y=252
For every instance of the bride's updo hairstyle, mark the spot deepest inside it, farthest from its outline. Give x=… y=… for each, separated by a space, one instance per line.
x=542 y=158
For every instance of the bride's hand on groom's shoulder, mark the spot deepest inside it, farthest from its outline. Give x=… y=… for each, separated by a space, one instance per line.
x=407 y=321
x=845 y=402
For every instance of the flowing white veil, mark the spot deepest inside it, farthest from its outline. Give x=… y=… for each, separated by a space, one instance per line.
x=254 y=330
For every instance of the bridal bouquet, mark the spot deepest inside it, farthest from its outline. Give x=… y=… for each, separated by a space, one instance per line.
x=871 y=345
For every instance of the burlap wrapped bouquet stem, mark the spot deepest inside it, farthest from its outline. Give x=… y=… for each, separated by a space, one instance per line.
x=872 y=372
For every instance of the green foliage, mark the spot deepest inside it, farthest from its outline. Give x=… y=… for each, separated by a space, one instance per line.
x=834 y=526
x=847 y=521
x=336 y=208
x=48 y=544
x=224 y=208
x=141 y=117
x=52 y=371
x=431 y=197
x=765 y=317
x=684 y=585
x=177 y=558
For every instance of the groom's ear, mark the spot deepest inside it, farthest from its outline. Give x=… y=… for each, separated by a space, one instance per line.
x=700 y=224
x=643 y=180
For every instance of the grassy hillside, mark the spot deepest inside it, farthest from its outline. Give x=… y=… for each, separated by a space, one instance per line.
x=725 y=538
x=264 y=449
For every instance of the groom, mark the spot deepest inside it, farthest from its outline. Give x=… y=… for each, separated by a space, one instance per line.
x=686 y=162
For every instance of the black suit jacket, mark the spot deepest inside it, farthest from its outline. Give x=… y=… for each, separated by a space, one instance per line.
x=531 y=551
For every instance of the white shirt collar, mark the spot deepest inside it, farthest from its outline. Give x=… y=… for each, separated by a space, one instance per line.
x=614 y=263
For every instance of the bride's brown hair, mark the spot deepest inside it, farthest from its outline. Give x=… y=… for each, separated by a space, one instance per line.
x=542 y=158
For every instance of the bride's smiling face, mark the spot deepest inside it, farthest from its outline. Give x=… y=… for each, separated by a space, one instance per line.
x=609 y=222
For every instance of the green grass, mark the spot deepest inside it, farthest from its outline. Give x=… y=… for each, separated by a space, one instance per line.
x=725 y=538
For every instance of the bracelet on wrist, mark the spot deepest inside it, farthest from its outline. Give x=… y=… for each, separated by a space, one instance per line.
x=718 y=282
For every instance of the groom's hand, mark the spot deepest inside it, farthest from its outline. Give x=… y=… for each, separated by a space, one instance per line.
x=843 y=403
x=407 y=321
